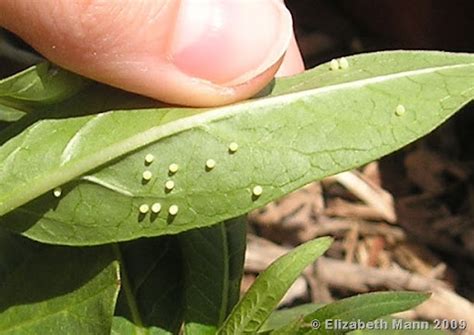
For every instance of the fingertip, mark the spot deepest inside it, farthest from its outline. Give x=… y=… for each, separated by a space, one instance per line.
x=183 y=90
x=232 y=50
x=229 y=42
x=292 y=61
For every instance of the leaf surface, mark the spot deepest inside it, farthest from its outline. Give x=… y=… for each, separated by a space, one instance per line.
x=213 y=261
x=10 y=114
x=40 y=84
x=270 y=287
x=291 y=328
x=55 y=290
x=122 y=326
x=312 y=125
x=364 y=307
x=283 y=317
x=151 y=298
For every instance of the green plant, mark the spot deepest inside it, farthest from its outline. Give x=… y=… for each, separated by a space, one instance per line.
x=96 y=257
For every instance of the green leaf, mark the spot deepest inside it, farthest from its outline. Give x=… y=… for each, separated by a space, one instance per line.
x=282 y=317
x=311 y=126
x=151 y=297
x=14 y=251
x=364 y=307
x=10 y=114
x=40 y=84
x=14 y=55
x=291 y=328
x=214 y=260
x=193 y=328
x=270 y=287
x=55 y=290
x=122 y=326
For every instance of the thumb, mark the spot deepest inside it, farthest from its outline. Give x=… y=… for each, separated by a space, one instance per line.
x=188 y=52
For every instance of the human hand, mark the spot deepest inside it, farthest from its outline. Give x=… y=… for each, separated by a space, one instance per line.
x=188 y=52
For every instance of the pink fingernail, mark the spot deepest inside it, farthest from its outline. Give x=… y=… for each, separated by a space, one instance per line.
x=229 y=42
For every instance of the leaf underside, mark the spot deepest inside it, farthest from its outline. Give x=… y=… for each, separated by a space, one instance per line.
x=213 y=262
x=55 y=290
x=310 y=126
x=151 y=297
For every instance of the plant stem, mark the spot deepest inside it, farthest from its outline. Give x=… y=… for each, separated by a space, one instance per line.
x=127 y=288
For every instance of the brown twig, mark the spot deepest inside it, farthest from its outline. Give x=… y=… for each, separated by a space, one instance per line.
x=367 y=191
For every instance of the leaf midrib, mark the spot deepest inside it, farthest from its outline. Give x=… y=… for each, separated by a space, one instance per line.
x=75 y=168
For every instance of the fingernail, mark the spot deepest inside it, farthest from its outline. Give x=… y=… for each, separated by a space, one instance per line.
x=229 y=42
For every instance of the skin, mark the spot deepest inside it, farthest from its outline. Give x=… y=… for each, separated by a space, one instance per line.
x=186 y=52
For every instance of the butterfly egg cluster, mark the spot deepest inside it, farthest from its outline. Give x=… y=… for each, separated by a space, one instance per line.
x=147 y=174
x=342 y=64
x=156 y=208
x=210 y=164
x=400 y=110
